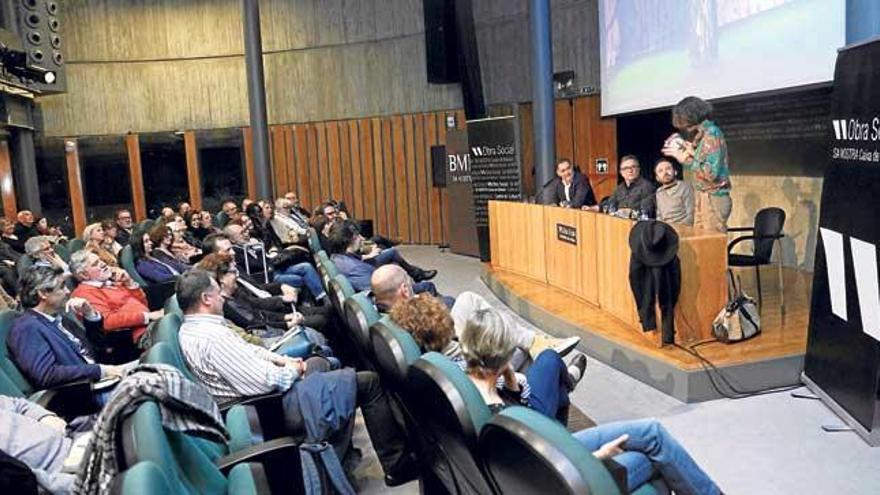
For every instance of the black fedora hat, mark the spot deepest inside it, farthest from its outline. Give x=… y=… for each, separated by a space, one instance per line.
x=654 y=243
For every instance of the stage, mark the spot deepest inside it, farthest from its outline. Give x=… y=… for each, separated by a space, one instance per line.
x=774 y=358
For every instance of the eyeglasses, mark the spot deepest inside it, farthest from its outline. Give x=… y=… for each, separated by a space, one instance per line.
x=626 y=169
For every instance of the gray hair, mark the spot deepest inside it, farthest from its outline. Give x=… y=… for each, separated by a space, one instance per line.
x=282 y=203
x=34 y=245
x=487 y=342
x=78 y=261
x=36 y=279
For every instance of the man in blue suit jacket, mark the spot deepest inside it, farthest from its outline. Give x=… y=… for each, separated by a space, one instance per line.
x=48 y=353
x=346 y=242
x=570 y=188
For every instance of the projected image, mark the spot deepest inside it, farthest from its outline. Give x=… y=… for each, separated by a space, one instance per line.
x=656 y=52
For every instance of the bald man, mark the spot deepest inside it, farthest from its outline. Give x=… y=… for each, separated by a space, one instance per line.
x=25 y=228
x=390 y=284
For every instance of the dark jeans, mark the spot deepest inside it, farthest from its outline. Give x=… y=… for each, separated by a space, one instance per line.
x=385 y=433
x=548 y=378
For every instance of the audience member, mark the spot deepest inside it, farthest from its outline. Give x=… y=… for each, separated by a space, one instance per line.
x=25 y=228
x=570 y=188
x=700 y=146
x=153 y=265
x=231 y=370
x=220 y=244
x=41 y=252
x=111 y=232
x=124 y=223
x=297 y=275
x=346 y=246
x=289 y=226
x=7 y=232
x=43 y=228
x=228 y=209
x=634 y=192
x=168 y=214
x=96 y=242
x=675 y=198
x=179 y=248
x=8 y=261
x=208 y=225
x=38 y=438
x=295 y=204
x=390 y=285
x=184 y=209
x=262 y=231
x=639 y=446
x=44 y=345
x=112 y=292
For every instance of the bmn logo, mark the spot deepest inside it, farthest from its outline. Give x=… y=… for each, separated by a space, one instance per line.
x=864 y=262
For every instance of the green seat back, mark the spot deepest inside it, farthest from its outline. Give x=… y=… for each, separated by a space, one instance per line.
x=126 y=259
x=394 y=350
x=314 y=241
x=166 y=349
x=75 y=245
x=340 y=290
x=145 y=478
x=171 y=305
x=8 y=366
x=22 y=264
x=62 y=251
x=187 y=467
x=527 y=451
x=451 y=412
x=360 y=314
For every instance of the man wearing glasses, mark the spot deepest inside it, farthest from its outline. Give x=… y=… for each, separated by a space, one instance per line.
x=123 y=226
x=635 y=192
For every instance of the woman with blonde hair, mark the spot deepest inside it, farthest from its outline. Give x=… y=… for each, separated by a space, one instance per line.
x=96 y=242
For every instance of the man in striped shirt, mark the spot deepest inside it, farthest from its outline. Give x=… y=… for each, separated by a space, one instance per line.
x=231 y=369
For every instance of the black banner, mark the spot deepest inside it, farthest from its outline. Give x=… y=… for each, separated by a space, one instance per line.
x=843 y=347
x=495 y=169
x=462 y=233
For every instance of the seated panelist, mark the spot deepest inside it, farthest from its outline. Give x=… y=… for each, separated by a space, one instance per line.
x=570 y=188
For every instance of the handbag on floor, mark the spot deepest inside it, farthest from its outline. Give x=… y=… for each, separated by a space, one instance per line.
x=740 y=319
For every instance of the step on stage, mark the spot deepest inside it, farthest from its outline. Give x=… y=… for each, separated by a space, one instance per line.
x=774 y=358
x=567 y=271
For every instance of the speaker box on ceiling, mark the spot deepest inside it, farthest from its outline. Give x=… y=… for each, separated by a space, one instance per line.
x=39 y=25
x=441 y=44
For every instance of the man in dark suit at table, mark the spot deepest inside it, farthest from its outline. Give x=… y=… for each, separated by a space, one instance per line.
x=570 y=188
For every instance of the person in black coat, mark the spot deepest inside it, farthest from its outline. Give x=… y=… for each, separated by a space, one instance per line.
x=570 y=188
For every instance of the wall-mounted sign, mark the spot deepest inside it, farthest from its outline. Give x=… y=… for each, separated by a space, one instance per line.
x=567 y=233
x=601 y=165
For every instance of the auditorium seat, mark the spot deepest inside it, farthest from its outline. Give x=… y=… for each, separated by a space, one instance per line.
x=157 y=294
x=145 y=478
x=75 y=245
x=394 y=350
x=62 y=250
x=22 y=264
x=187 y=466
x=172 y=306
x=326 y=268
x=360 y=313
x=68 y=401
x=340 y=289
x=527 y=452
x=314 y=241
x=451 y=412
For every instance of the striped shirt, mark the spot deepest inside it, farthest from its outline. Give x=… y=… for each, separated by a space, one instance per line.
x=227 y=366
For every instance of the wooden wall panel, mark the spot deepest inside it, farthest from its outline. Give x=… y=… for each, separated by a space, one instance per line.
x=423 y=188
x=290 y=147
x=444 y=193
x=323 y=167
x=370 y=207
x=74 y=182
x=389 y=179
x=357 y=188
x=397 y=163
x=279 y=159
x=380 y=222
x=412 y=180
x=564 y=136
x=250 y=172
x=193 y=171
x=431 y=139
x=301 y=151
x=138 y=200
x=313 y=168
x=7 y=189
x=345 y=165
x=334 y=170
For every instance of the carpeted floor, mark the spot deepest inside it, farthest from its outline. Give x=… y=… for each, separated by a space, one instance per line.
x=771 y=444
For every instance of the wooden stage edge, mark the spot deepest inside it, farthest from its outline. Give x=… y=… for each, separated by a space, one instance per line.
x=772 y=359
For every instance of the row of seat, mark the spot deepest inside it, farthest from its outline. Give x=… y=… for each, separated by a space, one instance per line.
x=463 y=447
